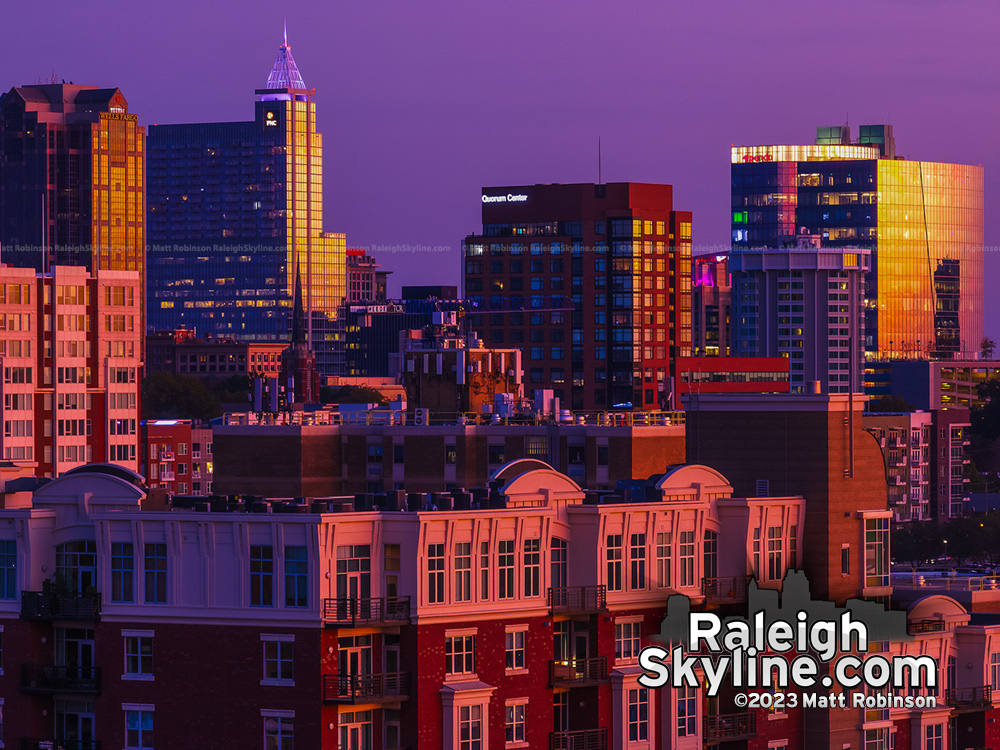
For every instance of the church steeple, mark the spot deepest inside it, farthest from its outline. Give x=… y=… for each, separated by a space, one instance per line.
x=285 y=73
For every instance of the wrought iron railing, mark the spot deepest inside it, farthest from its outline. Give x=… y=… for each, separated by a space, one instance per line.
x=346 y=611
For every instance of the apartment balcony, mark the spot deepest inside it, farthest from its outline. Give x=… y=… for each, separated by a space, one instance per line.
x=582 y=739
x=578 y=599
x=578 y=672
x=718 y=590
x=729 y=727
x=346 y=612
x=39 y=605
x=969 y=699
x=167 y=476
x=29 y=743
x=49 y=680
x=165 y=456
x=925 y=626
x=366 y=688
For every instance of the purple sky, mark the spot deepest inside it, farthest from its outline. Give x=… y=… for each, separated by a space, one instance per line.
x=423 y=103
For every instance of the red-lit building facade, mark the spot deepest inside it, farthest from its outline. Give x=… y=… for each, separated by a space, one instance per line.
x=621 y=253
x=176 y=455
x=70 y=352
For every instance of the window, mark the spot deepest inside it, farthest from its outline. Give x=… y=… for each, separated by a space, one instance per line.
x=663 y=554
x=532 y=567
x=138 y=729
x=278 y=663
x=774 y=567
x=435 y=573
x=261 y=576
x=514 y=722
x=398 y=454
x=637 y=562
x=139 y=656
x=559 y=563
x=995 y=670
x=514 y=649
x=793 y=547
x=470 y=728
x=8 y=570
x=628 y=639
x=484 y=570
x=614 y=559
x=495 y=454
x=459 y=654
x=934 y=737
x=279 y=733
x=155 y=567
x=687 y=706
x=638 y=715
x=876 y=552
x=505 y=570
x=296 y=577
x=687 y=558
x=450 y=455
x=463 y=571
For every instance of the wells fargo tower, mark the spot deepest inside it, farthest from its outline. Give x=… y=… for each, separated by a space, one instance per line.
x=71 y=179
x=236 y=223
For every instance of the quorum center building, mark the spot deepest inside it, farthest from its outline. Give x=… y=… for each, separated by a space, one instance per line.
x=922 y=221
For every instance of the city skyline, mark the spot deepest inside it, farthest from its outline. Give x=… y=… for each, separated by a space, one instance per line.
x=422 y=107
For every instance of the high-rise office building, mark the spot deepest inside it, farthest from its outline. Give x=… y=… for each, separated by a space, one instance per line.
x=236 y=222
x=71 y=180
x=711 y=303
x=923 y=222
x=806 y=304
x=621 y=253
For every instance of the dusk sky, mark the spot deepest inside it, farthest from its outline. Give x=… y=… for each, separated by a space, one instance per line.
x=423 y=103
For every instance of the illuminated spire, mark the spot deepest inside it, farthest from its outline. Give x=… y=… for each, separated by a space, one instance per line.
x=285 y=74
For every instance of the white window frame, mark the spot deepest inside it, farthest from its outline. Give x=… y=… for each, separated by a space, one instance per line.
x=461 y=634
x=511 y=720
x=511 y=634
x=278 y=638
x=634 y=639
x=138 y=676
x=267 y=713
x=140 y=707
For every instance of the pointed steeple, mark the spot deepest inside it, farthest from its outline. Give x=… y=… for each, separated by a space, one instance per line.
x=285 y=73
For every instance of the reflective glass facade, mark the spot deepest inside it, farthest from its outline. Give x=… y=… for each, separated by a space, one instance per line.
x=923 y=222
x=72 y=182
x=236 y=215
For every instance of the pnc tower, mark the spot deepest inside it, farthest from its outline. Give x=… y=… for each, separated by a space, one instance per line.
x=235 y=213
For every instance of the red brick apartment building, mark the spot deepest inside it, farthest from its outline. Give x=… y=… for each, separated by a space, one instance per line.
x=510 y=622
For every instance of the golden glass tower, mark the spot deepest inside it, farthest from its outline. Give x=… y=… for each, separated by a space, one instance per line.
x=72 y=185
x=923 y=222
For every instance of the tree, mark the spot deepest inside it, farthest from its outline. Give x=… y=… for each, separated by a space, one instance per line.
x=169 y=396
x=986 y=348
x=351 y=394
x=889 y=403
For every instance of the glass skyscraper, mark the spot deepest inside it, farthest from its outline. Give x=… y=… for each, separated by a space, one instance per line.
x=923 y=222
x=71 y=179
x=235 y=216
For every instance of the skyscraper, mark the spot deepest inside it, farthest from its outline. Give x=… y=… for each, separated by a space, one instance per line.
x=622 y=253
x=923 y=222
x=236 y=214
x=71 y=179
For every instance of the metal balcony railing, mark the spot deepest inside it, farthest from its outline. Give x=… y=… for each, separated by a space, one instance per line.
x=732 y=589
x=578 y=598
x=48 y=679
x=354 y=612
x=730 y=726
x=38 y=605
x=969 y=698
x=366 y=688
x=925 y=626
x=581 y=739
x=30 y=743
x=577 y=672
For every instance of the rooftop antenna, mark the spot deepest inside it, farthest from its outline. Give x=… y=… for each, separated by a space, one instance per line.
x=285 y=25
x=599 y=160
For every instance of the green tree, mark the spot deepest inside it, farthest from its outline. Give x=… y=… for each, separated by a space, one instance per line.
x=351 y=394
x=986 y=347
x=889 y=403
x=169 y=396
